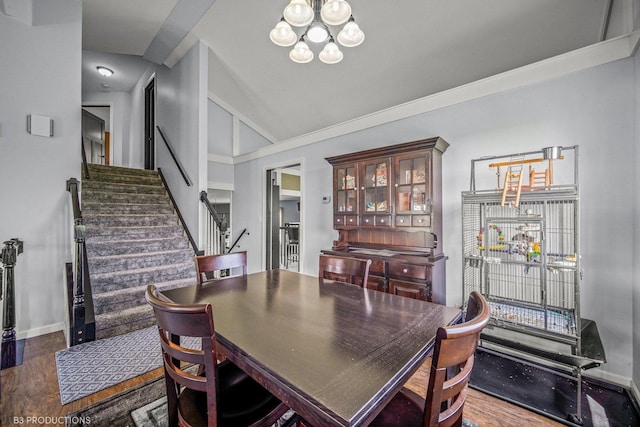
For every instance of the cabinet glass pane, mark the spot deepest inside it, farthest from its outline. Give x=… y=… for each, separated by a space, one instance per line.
x=419 y=200
x=405 y=168
x=351 y=200
x=346 y=178
x=403 y=198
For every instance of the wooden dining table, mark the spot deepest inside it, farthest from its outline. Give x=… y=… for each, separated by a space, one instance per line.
x=333 y=352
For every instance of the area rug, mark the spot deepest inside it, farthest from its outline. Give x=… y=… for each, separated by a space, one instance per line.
x=115 y=411
x=553 y=395
x=90 y=367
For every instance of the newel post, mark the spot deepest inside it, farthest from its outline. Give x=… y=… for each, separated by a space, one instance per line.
x=10 y=251
x=79 y=312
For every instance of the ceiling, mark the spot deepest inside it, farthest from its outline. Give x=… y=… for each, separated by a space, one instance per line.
x=413 y=49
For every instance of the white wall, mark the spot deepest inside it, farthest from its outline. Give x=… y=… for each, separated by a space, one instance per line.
x=592 y=108
x=181 y=113
x=33 y=170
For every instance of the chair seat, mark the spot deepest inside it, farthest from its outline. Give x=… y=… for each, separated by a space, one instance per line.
x=242 y=400
x=404 y=410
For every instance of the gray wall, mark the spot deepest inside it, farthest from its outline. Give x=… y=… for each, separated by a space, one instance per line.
x=592 y=108
x=181 y=112
x=40 y=74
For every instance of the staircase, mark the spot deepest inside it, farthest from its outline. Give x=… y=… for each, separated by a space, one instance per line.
x=133 y=239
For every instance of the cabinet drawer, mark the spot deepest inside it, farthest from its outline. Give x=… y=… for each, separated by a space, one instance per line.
x=368 y=220
x=377 y=267
x=409 y=271
x=376 y=283
x=383 y=220
x=403 y=220
x=421 y=221
x=410 y=289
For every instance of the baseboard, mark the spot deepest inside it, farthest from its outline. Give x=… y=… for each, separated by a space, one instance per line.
x=635 y=391
x=608 y=377
x=35 y=332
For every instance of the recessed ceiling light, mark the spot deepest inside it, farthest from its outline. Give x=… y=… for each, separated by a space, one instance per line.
x=105 y=71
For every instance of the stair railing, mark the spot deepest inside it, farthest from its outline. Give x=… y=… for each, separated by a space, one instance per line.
x=79 y=332
x=85 y=165
x=216 y=228
x=235 y=242
x=180 y=217
x=183 y=172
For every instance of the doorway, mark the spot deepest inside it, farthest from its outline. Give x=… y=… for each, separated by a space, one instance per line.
x=96 y=135
x=149 y=124
x=283 y=218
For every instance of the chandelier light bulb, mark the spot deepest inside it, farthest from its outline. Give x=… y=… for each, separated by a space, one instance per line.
x=351 y=35
x=335 y=12
x=283 y=34
x=301 y=53
x=317 y=32
x=331 y=54
x=298 y=13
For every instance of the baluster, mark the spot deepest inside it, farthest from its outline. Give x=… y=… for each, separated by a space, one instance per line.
x=79 y=321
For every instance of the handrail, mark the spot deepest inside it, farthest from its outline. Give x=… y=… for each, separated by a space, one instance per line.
x=180 y=217
x=235 y=242
x=85 y=166
x=220 y=222
x=79 y=331
x=175 y=158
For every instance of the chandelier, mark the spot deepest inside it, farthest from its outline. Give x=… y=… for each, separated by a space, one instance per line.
x=317 y=16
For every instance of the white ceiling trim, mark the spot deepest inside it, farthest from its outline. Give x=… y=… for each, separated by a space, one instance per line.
x=580 y=59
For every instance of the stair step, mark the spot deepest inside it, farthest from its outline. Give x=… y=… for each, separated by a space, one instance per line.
x=144 y=179
x=119 y=233
x=124 y=321
x=107 y=197
x=124 y=247
x=89 y=187
x=99 y=208
x=101 y=170
x=140 y=220
x=122 y=299
x=113 y=263
x=107 y=282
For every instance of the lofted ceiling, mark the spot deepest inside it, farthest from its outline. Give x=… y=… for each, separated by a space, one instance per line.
x=413 y=49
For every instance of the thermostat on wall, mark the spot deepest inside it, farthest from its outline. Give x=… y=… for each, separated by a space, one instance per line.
x=39 y=125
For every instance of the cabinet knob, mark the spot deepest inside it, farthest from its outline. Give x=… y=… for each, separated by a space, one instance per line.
x=401 y=221
x=362 y=188
x=396 y=185
x=420 y=221
x=405 y=271
x=382 y=221
x=366 y=220
x=350 y=219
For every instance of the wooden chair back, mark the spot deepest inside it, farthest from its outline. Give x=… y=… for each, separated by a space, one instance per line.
x=344 y=269
x=454 y=352
x=175 y=321
x=207 y=265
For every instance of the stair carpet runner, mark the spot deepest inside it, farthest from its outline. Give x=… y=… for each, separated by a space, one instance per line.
x=133 y=239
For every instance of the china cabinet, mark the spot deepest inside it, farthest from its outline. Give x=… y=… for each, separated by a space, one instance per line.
x=388 y=207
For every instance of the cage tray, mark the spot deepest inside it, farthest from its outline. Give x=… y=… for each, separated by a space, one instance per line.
x=559 y=322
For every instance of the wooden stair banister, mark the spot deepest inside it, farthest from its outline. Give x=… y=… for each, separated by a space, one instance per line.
x=82 y=323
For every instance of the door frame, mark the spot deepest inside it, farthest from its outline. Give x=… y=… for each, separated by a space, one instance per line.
x=266 y=169
x=109 y=129
x=149 y=141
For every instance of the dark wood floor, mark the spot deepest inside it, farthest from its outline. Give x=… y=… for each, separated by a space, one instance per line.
x=31 y=390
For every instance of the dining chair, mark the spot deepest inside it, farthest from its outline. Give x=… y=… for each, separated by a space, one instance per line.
x=451 y=367
x=208 y=266
x=344 y=269
x=223 y=395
